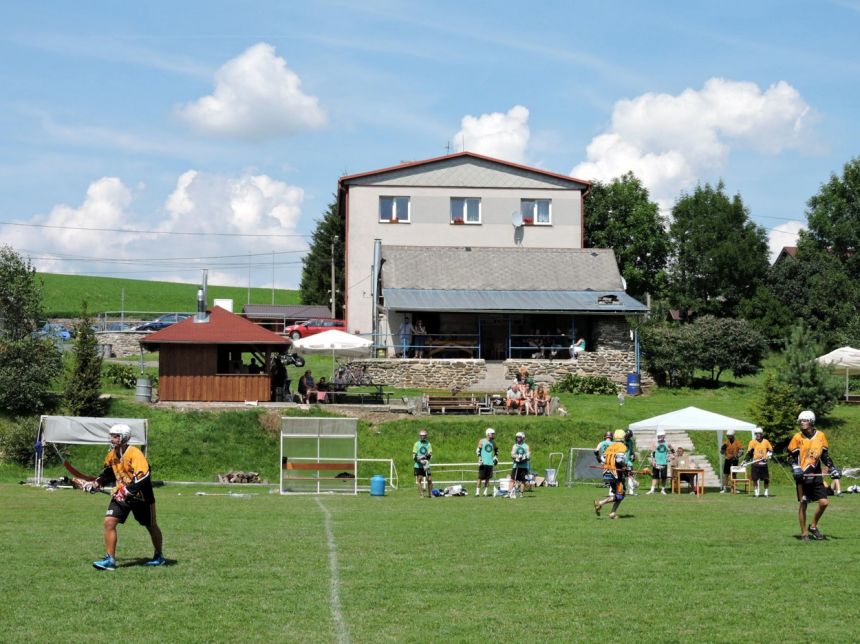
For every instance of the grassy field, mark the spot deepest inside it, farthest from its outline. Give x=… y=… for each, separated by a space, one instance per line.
x=541 y=568
x=63 y=294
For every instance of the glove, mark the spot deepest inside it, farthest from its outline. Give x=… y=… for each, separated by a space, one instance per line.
x=835 y=473
x=91 y=487
x=120 y=494
x=495 y=460
x=633 y=457
x=797 y=473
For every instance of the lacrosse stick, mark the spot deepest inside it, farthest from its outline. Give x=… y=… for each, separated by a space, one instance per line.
x=87 y=485
x=851 y=472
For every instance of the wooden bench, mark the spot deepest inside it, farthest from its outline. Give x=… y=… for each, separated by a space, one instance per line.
x=348 y=466
x=453 y=404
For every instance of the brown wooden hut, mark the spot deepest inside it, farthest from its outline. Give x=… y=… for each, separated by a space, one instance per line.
x=202 y=360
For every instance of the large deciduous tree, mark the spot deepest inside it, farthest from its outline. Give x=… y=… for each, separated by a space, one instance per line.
x=620 y=215
x=719 y=255
x=316 y=266
x=28 y=366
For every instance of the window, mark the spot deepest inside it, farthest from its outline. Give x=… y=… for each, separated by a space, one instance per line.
x=394 y=209
x=536 y=211
x=465 y=210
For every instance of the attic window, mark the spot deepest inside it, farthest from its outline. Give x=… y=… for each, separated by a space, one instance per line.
x=607 y=299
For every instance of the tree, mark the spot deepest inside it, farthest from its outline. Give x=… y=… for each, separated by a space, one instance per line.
x=619 y=215
x=28 y=366
x=84 y=384
x=719 y=255
x=833 y=218
x=815 y=387
x=316 y=266
x=774 y=408
x=727 y=344
x=669 y=351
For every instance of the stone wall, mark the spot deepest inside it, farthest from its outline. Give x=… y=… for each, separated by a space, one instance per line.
x=425 y=374
x=123 y=343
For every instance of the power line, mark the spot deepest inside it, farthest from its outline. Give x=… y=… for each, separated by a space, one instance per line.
x=146 y=232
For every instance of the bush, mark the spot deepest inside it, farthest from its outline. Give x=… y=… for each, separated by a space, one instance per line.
x=17 y=442
x=124 y=375
x=28 y=367
x=815 y=386
x=576 y=384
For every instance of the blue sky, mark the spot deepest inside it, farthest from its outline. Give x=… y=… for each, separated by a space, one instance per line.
x=238 y=118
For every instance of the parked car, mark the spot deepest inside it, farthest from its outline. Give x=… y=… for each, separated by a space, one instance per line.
x=312 y=327
x=54 y=332
x=161 y=322
x=119 y=326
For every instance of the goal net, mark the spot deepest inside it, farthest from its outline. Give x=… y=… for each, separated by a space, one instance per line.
x=582 y=466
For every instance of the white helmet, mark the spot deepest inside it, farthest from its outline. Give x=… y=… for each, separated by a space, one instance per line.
x=730 y=432
x=490 y=432
x=520 y=435
x=806 y=415
x=757 y=431
x=122 y=430
x=661 y=433
x=422 y=433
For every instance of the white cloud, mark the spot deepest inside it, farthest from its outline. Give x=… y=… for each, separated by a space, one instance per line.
x=783 y=235
x=256 y=96
x=503 y=136
x=200 y=203
x=669 y=141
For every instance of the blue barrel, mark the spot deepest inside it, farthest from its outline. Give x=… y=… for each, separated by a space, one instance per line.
x=377 y=485
x=633 y=388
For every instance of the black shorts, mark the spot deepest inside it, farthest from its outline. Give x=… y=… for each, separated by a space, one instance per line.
x=728 y=464
x=485 y=472
x=519 y=473
x=813 y=488
x=759 y=472
x=141 y=510
x=658 y=473
x=420 y=471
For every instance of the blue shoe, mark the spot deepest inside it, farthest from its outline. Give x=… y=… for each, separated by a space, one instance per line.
x=108 y=563
x=157 y=560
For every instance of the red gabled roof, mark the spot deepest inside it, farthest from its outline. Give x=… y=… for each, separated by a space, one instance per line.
x=412 y=164
x=223 y=327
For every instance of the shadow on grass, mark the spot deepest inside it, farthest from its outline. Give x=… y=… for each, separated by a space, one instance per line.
x=142 y=562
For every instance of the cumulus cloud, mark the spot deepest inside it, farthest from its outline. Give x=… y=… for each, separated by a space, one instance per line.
x=256 y=96
x=669 y=141
x=500 y=135
x=200 y=203
x=783 y=235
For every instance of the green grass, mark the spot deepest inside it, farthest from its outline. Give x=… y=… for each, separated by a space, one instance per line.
x=63 y=294
x=717 y=569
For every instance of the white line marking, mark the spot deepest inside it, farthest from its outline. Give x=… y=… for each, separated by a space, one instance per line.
x=336 y=614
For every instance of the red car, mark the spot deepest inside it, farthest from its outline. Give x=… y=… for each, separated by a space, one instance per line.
x=312 y=327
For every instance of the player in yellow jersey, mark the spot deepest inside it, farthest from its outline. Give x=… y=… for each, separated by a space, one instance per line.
x=731 y=451
x=758 y=454
x=807 y=450
x=127 y=470
x=615 y=468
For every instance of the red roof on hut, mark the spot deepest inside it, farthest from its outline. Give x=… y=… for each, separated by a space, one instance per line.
x=223 y=327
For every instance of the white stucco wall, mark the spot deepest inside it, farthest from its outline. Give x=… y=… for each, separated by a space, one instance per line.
x=430 y=226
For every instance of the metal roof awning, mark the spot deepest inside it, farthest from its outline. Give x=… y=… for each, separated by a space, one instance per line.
x=610 y=302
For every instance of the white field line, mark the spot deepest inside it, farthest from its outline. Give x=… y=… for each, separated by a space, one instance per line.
x=336 y=614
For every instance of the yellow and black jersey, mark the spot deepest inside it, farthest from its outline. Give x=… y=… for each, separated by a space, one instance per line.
x=760 y=449
x=732 y=450
x=131 y=470
x=808 y=451
x=609 y=456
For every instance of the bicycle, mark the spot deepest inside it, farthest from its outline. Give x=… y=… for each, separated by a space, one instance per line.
x=354 y=374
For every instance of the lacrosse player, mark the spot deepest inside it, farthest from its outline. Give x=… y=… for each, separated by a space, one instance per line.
x=807 y=450
x=127 y=470
x=599 y=451
x=488 y=456
x=758 y=453
x=731 y=451
x=421 y=455
x=520 y=455
x=615 y=463
x=660 y=462
x=630 y=443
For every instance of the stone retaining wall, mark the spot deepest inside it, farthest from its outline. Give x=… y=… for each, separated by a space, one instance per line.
x=425 y=374
x=123 y=343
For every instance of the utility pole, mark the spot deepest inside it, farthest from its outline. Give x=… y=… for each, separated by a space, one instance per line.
x=333 y=290
x=273 y=278
x=249 y=278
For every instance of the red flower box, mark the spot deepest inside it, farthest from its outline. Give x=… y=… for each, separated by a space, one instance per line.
x=457 y=221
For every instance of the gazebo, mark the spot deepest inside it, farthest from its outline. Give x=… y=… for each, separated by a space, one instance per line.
x=201 y=360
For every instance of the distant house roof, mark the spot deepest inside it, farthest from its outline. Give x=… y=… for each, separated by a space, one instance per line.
x=787 y=252
x=449 y=170
x=504 y=279
x=223 y=327
x=285 y=311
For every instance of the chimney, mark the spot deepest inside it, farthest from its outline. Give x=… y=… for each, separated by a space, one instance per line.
x=202 y=316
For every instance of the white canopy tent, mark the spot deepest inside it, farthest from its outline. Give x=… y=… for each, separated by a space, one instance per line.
x=78 y=430
x=693 y=419
x=845 y=358
x=337 y=343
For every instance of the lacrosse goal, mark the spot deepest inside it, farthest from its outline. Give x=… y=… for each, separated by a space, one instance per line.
x=582 y=466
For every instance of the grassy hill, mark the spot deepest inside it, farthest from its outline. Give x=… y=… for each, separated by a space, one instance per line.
x=63 y=295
